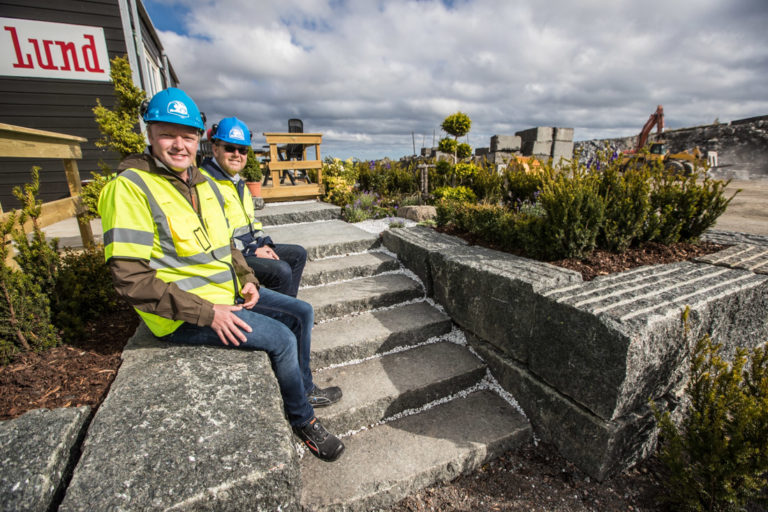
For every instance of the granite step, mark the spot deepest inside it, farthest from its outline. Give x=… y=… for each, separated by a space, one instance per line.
x=274 y=214
x=378 y=388
x=360 y=295
x=335 y=268
x=361 y=336
x=388 y=462
x=326 y=238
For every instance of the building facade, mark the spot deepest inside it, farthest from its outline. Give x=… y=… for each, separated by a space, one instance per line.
x=54 y=64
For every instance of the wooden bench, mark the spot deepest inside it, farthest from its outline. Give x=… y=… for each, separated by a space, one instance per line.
x=275 y=167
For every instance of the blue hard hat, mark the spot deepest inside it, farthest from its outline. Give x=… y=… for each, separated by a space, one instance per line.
x=232 y=130
x=173 y=106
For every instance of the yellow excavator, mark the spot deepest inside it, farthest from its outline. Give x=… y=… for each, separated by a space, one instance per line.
x=683 y=162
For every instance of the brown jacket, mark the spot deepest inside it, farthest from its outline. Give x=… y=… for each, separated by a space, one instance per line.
x=136 y=280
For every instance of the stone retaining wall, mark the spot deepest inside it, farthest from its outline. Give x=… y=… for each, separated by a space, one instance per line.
x=583 y=359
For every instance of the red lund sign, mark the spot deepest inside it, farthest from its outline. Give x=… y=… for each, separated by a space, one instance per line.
x=53 y=50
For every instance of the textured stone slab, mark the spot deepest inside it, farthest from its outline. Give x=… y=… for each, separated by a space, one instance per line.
x=415 y=246
x=386 y=463
x=562 y=149
x=493 y=294
x=188 y=428
x=332 y=269
x=540 y=133
x=339 y=299
x=327 y=238
x=298 y=211
x=598 y=447
x=720 y=236
x=563 y=135
x=382 y=387
x=621 y=336
x=538 y=148
x=360 y=336
x=505 y=143
x=744 y=256
x=37 y=452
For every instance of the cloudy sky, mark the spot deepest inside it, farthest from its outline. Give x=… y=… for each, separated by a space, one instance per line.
x=368 y=74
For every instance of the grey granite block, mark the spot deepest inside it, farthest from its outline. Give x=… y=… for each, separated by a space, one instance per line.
x=187 y=428
x=37 y=452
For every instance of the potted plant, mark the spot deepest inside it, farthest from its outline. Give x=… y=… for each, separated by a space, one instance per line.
x=252 y=175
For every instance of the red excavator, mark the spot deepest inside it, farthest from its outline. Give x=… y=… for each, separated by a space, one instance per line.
x=674 y=162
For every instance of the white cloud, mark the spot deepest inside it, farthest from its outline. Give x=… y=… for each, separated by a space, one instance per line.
x=368 y=74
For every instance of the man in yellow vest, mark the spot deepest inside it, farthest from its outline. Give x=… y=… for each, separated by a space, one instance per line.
x=277 y=266
x=168 y=246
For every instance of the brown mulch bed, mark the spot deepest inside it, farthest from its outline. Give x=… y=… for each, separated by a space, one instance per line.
x=71 y=375
x=531 y=478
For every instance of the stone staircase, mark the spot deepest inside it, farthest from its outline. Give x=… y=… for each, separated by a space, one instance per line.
x=202 y=428
x=417 y=408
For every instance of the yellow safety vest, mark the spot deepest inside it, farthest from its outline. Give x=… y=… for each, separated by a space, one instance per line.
x=240 y=213
x=145 y=217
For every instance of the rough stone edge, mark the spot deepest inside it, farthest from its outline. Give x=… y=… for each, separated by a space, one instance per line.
x=605 y=450
x=57 y=462
x=284 y=494
x=415 y=246
x=320 y=212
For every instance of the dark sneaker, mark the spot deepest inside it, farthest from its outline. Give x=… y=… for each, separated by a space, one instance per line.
x=320 y=442
x=324 y=397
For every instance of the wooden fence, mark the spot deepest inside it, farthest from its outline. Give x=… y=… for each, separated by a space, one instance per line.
x=20 y=142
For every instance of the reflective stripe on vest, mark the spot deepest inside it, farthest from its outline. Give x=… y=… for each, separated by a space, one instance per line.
x=240 y=211
x=193 y=252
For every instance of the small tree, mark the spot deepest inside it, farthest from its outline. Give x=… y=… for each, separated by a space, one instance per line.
x=25 y=311
x=118 y=127
x=717 y=458
x=457 y=125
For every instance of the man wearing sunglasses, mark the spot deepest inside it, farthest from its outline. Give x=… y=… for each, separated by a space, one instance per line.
x=168 y=245
x=277 y=266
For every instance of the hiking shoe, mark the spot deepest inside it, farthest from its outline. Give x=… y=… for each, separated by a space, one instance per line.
x=320 y=442
x=324 y=397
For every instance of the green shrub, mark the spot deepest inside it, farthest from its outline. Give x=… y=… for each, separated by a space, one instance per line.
x=252 y=170
x=463 y=150
x=575 y=212
x=339 y=178
x=461 y=194
x=521 y=186
x=487 y=184
x=440 y=175
x=447 y=145
x=627 y=206
x=25 y=312
x=717 y=458
x=365 y=206
x=683 y=207
x=83 y=289
x=457 y=124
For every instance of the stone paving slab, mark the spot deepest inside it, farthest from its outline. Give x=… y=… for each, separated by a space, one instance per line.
x=274 y=214
x=367 y=264
x=384 y=464
x=37 y=452
x=339 y=299
x=187 y=428
x=327 y=238
x=384 y=386
x=744 y=256
x=360 y=336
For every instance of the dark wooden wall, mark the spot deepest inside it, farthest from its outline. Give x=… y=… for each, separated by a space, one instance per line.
x=63 y=106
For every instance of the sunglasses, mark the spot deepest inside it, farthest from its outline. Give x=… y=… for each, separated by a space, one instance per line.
x=229 y=148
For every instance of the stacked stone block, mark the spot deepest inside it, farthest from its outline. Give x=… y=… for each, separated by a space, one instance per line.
x=583 y=359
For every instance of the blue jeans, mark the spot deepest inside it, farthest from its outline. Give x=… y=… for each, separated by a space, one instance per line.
x=283 y=275
x=281 y=327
